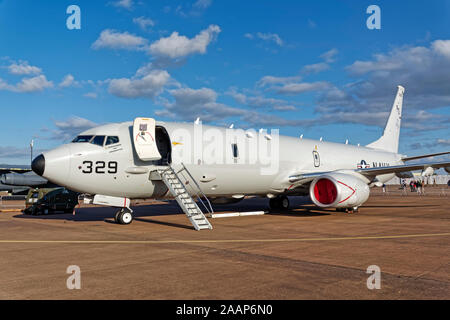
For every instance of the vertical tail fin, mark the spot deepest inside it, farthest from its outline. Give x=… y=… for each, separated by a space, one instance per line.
x=389 y=139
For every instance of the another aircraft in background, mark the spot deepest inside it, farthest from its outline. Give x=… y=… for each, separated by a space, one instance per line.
x=18 y=179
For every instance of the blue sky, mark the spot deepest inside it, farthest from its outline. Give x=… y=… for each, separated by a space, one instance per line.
x=306 y=67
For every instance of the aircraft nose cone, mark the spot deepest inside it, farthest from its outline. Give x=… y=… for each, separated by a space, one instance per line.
x=38 y=165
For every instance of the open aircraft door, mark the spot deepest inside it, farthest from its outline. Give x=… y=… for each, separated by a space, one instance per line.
x=144 y=139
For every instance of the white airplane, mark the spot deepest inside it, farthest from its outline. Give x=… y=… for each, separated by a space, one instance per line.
x=115 y=163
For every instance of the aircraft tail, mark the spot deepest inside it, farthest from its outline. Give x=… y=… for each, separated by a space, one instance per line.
x=389 y=139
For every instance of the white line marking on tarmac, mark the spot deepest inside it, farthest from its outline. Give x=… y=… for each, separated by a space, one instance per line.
x=225 y=240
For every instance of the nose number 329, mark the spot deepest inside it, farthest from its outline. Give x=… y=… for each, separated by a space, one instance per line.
x=99 y=167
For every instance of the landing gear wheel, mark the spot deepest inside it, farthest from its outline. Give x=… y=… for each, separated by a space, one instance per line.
x=125 y=216
x=273 y=203
x=280 y=202
x=284 y=202
x=116 y=216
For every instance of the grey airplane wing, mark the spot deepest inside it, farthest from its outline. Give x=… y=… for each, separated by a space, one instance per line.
x=402 y=168
x=17 y=169
x=305 y=178
x=425 y=156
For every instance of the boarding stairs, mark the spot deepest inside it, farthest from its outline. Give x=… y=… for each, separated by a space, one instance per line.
x=178 y=189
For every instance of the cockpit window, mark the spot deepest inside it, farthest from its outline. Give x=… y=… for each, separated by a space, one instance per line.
x=81 y=139
x=98 y=140
x=112 y=140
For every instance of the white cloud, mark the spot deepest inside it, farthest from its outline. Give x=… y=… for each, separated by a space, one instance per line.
x=68 y=129
x=143 y=22
x=444 y=142
x=14 y=152
x=23 y=68
x=298 y=88
x=422 y=70
x=192 y=103
x=176 y=46
x=270 y=80
x=38 y=83
x=202 y=4
x=5 y=86
x=148 y=86
x=270 y=37
x=68 y=81
x=126 y=4
x=191 y=9
x=442 y=47
x=330 y=56
x=316 y=67
x=119 y=40
x=259 y=101
x=285 y=108
x=312 y=24
x=91 y=95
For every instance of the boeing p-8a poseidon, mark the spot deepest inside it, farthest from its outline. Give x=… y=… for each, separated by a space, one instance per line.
x=115 y=163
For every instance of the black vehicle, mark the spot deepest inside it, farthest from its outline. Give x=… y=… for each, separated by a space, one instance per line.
x=55 y=200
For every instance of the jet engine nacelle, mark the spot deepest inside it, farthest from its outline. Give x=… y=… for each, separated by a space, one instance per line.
x=338 y=190
x=405 y=175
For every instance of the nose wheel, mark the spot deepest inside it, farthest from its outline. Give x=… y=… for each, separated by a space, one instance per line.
x=124 y=216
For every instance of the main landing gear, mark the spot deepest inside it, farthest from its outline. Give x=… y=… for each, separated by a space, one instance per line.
x=279 y=203
x=124 y=216
x=348 y=210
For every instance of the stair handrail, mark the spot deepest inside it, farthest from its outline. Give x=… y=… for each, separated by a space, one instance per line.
x=210 y=209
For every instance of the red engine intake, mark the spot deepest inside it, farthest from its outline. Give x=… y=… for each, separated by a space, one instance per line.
x=339 y=190
x=325 y=191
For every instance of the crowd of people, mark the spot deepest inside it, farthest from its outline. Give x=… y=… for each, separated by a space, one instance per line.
x=415 y=186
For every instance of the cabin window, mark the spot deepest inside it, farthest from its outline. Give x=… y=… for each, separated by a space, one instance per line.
x=98 y=140
x=112 y=140
x=81 y=139
x=234 y=147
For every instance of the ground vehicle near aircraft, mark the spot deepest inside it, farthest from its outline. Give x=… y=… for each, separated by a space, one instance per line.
x=147 y=159
x=50 y=200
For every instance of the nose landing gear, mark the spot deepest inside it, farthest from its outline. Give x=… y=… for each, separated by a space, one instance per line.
x=124 y=216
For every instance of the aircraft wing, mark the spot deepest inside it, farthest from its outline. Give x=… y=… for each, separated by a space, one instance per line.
x=425 y=156
x=402 y=168
x=18 y=169
x=301 y=179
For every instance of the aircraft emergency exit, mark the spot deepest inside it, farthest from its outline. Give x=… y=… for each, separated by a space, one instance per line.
x=115 y=163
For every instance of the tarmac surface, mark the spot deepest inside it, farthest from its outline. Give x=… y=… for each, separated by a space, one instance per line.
x=304 y=253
